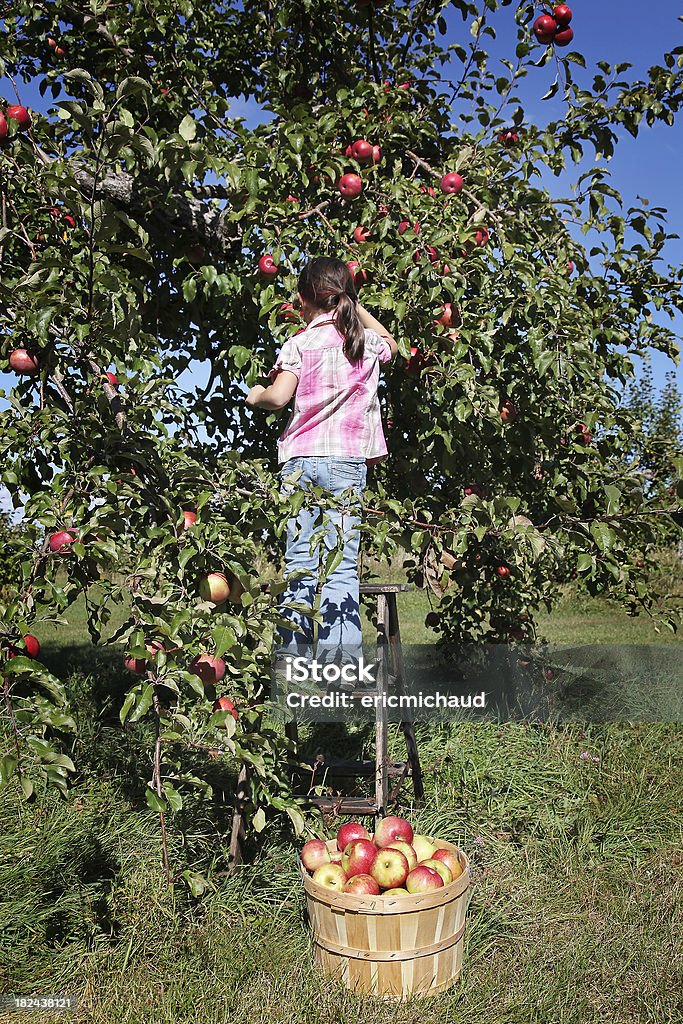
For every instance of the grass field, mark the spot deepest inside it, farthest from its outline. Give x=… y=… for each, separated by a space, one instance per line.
x=576 y=917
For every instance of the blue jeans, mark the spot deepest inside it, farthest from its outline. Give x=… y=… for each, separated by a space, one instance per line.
x=339 y=600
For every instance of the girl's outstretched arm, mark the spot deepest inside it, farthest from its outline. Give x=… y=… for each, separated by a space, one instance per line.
x=368 y=320
x=276 y=395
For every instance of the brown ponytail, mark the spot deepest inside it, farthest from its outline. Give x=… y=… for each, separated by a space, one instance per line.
x=328 y=285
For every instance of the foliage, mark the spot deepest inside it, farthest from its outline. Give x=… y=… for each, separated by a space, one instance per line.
x=136 y=209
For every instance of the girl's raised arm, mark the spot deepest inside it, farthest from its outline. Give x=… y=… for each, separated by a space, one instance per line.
x=368 y=320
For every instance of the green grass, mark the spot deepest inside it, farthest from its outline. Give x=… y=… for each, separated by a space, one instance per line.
x=578 y=902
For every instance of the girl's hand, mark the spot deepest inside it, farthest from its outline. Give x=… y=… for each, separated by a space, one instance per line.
x=254 y=395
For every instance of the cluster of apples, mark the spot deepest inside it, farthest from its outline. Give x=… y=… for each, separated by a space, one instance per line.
x=554 y=28
x=393 y=862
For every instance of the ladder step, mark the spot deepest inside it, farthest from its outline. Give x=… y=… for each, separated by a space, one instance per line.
x=344 y=804
x=336 y=766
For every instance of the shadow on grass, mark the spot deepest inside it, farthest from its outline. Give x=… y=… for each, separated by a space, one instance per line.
x=96 y=686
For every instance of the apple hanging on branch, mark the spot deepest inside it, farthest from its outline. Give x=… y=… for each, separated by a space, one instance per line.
x=350 y=185
x=267 y=267
x=452 y=183
x=23 y=361
x=17 y=112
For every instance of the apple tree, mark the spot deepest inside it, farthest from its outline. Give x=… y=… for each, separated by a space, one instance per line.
x=150 y=243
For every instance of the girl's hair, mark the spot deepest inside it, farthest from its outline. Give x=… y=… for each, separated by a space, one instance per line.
x=328 y=285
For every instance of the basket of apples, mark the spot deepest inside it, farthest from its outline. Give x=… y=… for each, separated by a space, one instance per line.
x=387 y=912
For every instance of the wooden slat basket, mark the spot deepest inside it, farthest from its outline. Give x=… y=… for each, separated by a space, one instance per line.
x=391 y=946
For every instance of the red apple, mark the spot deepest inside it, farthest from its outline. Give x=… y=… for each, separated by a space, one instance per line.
x=111 y=378
x=51 y=43
x=362 y=885
x=139 y=665
x=70 y=222
x=136 y=665
x=3 y=127
x=440 y=868
x=23 y=361
x=32 y=645
x=503 y=571
x=209 y=670
x=390 y=868
x=451 y=183
x=508 y=138
x=314 y=853
x=330 y=876
x=360 y=234
x=447 y=316
x=350 y=185
x=225 y=704
x=359 y=276
x=61 y=541
x=564 y=37
x=214 y=588
x=336 y=856
x=362 y=151
x=358 y=857
x=405 y=225
x=481 y=237
x=545 y=28
x=406 y=849
x=397 y=891
x=562 y=14
x=474 y=489
x=350 y=831
x=286 y=314
x=376 y=154
x=31 y=648
x=60 y=51
x=291 y=199
x=507 y=411
x=432 y=620
x=189 y=519
x=267 y=267
x=20 y=114
x=428 y=190
x=569 y=268
x=391 y=829
x=414 y=365
x=451 y=860
x=422 y=879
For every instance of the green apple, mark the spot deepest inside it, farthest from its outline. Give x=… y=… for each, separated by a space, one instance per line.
x=423 y=848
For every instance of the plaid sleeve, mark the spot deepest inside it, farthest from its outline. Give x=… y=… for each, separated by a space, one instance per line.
x=379 y=343
x=289 y=358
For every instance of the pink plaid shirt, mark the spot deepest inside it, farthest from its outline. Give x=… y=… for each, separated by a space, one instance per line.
x=336 y=408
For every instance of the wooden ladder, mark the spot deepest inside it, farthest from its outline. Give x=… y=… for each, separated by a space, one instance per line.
x=389 y=674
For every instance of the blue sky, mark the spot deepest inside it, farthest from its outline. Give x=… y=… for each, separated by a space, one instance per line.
x=648 y=167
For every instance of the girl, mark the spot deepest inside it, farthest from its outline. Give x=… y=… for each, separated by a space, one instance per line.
x=331 y=368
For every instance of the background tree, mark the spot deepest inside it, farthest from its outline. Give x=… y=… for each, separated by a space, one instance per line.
x=136 y=310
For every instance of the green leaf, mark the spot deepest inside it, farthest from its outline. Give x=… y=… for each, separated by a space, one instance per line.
x=143 y=704
x=188 y=128
x=259 y=820
x=127 y=705
x=154 y=801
